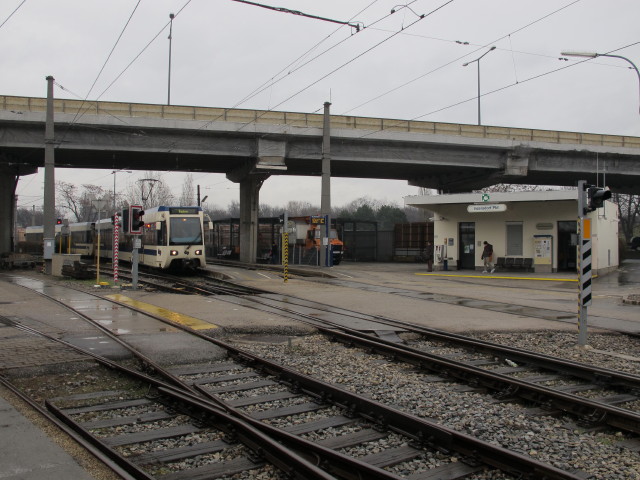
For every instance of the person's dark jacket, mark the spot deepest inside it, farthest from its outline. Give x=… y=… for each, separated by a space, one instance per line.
x=487 y=252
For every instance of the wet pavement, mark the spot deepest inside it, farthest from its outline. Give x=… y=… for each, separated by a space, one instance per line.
x=134 y=326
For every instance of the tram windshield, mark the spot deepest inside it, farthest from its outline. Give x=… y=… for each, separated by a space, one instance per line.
x=185 y=231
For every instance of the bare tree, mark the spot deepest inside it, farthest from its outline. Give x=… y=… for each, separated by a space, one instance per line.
x=188 y=191
x=77 y=201
x=629 y=206
x=297 y=208
x=266 y=211
x=234 y=209
x=415 y=214
x=29 y=216
x=512 y=187
x=216 y=213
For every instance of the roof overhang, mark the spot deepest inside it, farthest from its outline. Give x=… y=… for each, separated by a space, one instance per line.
x=491 y=197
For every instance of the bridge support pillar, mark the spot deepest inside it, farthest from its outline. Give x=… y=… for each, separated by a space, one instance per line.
x=7 y=211
x=249 y=204
x=251 y=176
x=517 y=162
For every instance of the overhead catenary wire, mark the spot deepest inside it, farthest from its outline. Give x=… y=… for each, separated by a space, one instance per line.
x=113 y=49
x=133 y=60
x=78 y=112
x=403 y=33
x=142 y=51
x=272 y=81
x=513 y=58
x=12 y=13
x=85 y=101
x=266 y=85
x=357 y=26
x=504 y=87
x=409 y=82
x=516 y=83
x=237 y=104
x=420 y=18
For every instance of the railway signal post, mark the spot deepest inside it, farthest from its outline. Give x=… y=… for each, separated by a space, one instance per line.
x=116 y=246
x=590 y=198
x=584 y=264
x=135 y=229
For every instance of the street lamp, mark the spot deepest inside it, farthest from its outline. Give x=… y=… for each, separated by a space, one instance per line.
x=171 y=17
x=595 y=55
x=114 y=185
x=478 y=61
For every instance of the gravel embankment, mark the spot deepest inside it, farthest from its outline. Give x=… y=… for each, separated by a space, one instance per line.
x=554 y=440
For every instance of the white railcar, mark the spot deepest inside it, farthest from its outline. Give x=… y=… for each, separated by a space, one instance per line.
x=172 y=238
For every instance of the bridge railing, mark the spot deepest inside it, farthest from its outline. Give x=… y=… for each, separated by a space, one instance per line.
x=211 y=114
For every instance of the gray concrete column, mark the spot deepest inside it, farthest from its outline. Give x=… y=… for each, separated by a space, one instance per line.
x=325 y=194
x=7 y=187
x=49 y=208
x=249 y=204
x=270 y=157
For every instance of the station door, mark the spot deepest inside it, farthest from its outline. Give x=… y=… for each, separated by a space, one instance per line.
x=567 y=245
x=467 y=245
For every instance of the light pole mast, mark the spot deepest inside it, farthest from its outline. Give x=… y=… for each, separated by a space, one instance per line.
x=595 y=55
x=477 y=60
x=171 y=17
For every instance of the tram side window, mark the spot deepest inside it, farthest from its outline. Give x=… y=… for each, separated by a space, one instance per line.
x=149 y=234
x=79 y=236
x=161 y=233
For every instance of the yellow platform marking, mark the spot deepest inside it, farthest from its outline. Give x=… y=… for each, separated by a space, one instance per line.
x=186 y=320
x=496 y=276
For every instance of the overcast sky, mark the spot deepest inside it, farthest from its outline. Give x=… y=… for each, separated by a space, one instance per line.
x=399 y=66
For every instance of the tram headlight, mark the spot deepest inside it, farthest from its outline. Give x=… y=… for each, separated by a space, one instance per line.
x=198 y=252
x=173 y=253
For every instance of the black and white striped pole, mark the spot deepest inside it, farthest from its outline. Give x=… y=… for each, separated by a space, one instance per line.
x=584 y=263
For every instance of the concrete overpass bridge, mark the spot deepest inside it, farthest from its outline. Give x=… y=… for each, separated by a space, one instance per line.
x=250 y=145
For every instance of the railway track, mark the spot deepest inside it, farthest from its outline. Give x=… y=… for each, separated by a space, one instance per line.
x=150 y=414
x=207 y=284
x=379 y=438
x=591 y=394
x=155 y=429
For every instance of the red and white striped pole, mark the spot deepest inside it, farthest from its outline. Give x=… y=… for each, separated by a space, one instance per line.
x=116 y=245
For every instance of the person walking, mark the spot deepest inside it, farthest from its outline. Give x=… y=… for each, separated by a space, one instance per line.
x=428 y=253
x=487 y=256
x=275 y=257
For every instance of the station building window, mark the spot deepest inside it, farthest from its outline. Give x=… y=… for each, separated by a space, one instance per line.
x=514 y=239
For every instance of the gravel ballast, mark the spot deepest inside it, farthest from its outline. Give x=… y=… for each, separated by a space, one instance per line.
x=554 y=440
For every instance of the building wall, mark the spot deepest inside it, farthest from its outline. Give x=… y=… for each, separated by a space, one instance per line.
x=604 y=233
x=539 y=218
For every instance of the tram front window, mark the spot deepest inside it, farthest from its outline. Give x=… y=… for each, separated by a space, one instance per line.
x=185 y=231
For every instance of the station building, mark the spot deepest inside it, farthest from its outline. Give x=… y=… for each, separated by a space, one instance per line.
x=536 y=231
